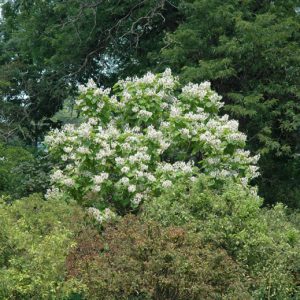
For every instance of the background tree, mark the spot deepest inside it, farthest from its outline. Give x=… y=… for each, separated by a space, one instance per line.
x=250 y=52
x=48 y=47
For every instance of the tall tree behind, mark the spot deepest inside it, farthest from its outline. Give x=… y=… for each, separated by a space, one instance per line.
x=48 y=47
x=250 y=51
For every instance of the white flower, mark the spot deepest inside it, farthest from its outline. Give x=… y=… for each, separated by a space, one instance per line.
x=213 y=160
x=125 y=170
x=97 y=188
x=144 y=167
x=126 y=96
x=78 y=102
x=164 y=105
x=124 y=180
x=132 y=188
x=101 y=216
x=164 y=124
x=140 y=174
x=98 y=179
x=84 y=130
x=164 y=145
x=64 y=157
x=69 y=167
x=205 y=85
x=185 y=132
x=167 y=183
x=91 y=84
x=126 y=146
x=148 y=78
x=145 y=113
x=72 y=156
x=68 y=149
x=137 y=199
x=244 y=181
x=68 y=182
x=92 y=121
x=151 y=178
x=82 y=89
x=175 y=112
x=254 y=171
x=120 y=161
x=83 y=150
x=53 y=193
x=57 y=175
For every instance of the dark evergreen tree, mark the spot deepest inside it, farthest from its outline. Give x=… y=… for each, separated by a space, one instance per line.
x=250 y=52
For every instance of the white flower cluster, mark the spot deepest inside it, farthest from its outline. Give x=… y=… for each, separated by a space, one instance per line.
x=64 y=180
x=144 y=113
x=166 y=81
x=178 y=166
x=203 y=93
x=101 y=216
x=124 y=148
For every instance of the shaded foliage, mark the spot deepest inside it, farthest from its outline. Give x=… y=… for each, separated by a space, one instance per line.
x=47 y=47
x=11 y=157
x=23 y=171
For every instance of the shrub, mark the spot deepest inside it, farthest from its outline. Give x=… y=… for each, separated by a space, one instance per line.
x=139 y=141
x=23 y=171
x=35 y=238
x=35 y=175
x=141 y=260
x=229 y=215
x=10 y=180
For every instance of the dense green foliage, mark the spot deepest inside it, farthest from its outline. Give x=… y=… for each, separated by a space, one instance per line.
x=263 y=240
x=35 y=237
x=11 y=157
x=22 y=171
x=196 y=240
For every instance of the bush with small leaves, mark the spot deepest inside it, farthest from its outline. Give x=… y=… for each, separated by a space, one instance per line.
x=134 y=259
x=35 y=238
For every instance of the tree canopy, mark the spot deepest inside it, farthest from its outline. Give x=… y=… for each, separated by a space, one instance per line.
x=249 y=50
x=48 y=47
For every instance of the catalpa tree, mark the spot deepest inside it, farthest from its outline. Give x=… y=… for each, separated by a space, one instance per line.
x=142 y=136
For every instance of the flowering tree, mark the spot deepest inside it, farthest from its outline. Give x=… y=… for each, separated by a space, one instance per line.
x=140 y=139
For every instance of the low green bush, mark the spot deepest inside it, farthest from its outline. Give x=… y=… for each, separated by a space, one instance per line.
x=36 y=175
x=196 y=241
x=230 y=215
x=35 y=238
